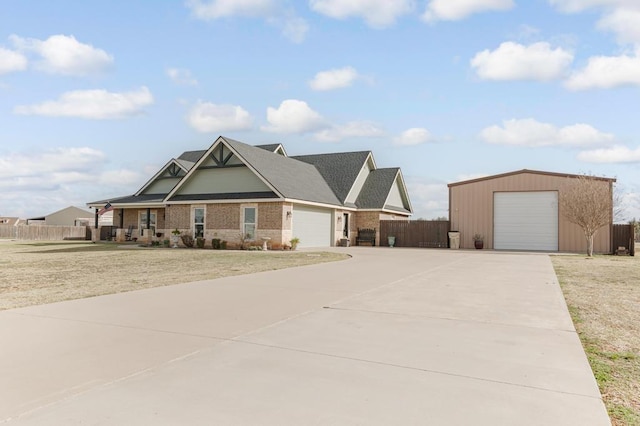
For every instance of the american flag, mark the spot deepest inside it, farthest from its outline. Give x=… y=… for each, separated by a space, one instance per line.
x=107 y=208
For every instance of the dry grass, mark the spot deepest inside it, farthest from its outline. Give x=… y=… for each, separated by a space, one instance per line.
x=603 y=295
x=37 y=273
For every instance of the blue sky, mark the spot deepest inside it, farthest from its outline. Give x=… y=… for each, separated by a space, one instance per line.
x=96 y=96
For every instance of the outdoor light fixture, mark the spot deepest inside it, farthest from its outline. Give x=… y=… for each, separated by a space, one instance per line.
x=288 y=215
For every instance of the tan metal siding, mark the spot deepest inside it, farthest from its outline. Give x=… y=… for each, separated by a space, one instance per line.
x=471 y=210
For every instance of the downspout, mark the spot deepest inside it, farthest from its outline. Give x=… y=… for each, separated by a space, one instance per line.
x=121 y=218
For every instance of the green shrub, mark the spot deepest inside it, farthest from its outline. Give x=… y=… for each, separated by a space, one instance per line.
x=187 y=240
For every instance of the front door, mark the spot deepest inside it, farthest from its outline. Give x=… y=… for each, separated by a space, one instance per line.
x=345 y=225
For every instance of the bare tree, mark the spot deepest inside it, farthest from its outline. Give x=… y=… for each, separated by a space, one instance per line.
x=589 y=203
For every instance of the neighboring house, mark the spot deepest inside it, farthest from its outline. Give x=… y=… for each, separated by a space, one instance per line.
x=13 y=221
x=234 y=191
x=69 y=216
x=520 y=211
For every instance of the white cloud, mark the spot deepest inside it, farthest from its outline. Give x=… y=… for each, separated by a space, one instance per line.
x=336 y=78
x=413 y=136
x=49 y=162
x=513 y=61
x=217 y=9
x=615 y=154
x=621 y=17
x=92 y=104
x=376 y=13
x=532 y=133
x=11 y=61
x=43 y=181
x=65 y=55
x=605 y=72
x=352 y=129
x=455 y=10
x=429 y=198
x=207 y=117
x=625 y=23
x=182 y=76
x=291 y=26
x=573 y=6
x=293 y=116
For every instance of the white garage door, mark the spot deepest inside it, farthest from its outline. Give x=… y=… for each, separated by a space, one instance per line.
x=525 y=220
x=312 y=225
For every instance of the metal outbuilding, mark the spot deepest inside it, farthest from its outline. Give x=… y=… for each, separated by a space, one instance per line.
x=521 y=211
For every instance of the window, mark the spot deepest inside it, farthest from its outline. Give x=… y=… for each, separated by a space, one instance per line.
x=198 y=222
x=250 y=223
x=143 y=221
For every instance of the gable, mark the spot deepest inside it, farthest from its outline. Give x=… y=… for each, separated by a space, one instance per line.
x=221 y=173
x=222 y=180
x=358 y=184
x=164 y=181
x=339 y=170
x=397 y=198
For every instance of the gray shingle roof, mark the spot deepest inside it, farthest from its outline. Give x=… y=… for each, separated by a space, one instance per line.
x=268 y=147
x=192 y=156
x=290 y=177
x=376 y=188
x=128 y=199
x=320 y=178
x=339 y=170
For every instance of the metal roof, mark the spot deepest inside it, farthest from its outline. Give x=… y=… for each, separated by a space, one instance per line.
x=535 y=172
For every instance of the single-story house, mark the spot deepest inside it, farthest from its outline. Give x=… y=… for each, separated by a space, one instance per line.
x=520 y=210
x=233 y=191
x=69 y=216
x=11 y=220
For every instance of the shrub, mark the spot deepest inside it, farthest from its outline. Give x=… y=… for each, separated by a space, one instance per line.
x=223 y=245
x=216 y=243
x=187 y=240
x=200 y=242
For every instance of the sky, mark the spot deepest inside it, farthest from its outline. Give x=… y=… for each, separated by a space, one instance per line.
x=95 y=97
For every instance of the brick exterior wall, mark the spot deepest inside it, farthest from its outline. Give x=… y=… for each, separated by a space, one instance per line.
x=224 y=221
x=223 y=216
x=270 y=216
x=178 y=216
x=367 y=220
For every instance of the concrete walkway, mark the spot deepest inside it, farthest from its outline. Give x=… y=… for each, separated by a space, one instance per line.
x=389 y=337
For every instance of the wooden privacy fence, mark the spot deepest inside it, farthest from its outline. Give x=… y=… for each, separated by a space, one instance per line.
x=44 y=232
x=624 y=236
x=415 y=233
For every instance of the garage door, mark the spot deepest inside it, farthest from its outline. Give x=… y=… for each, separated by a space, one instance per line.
x=312 y=226
x=525 y=220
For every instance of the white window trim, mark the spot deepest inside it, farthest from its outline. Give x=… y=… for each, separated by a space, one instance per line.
x=142 y=213
x=193 y=219
x=243 y=223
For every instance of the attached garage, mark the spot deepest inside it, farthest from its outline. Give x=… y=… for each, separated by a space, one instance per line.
x=525 y=220
x=521 y=210
x=312 y=225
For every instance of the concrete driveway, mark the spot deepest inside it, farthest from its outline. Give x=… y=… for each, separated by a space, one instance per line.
x=389 y=337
